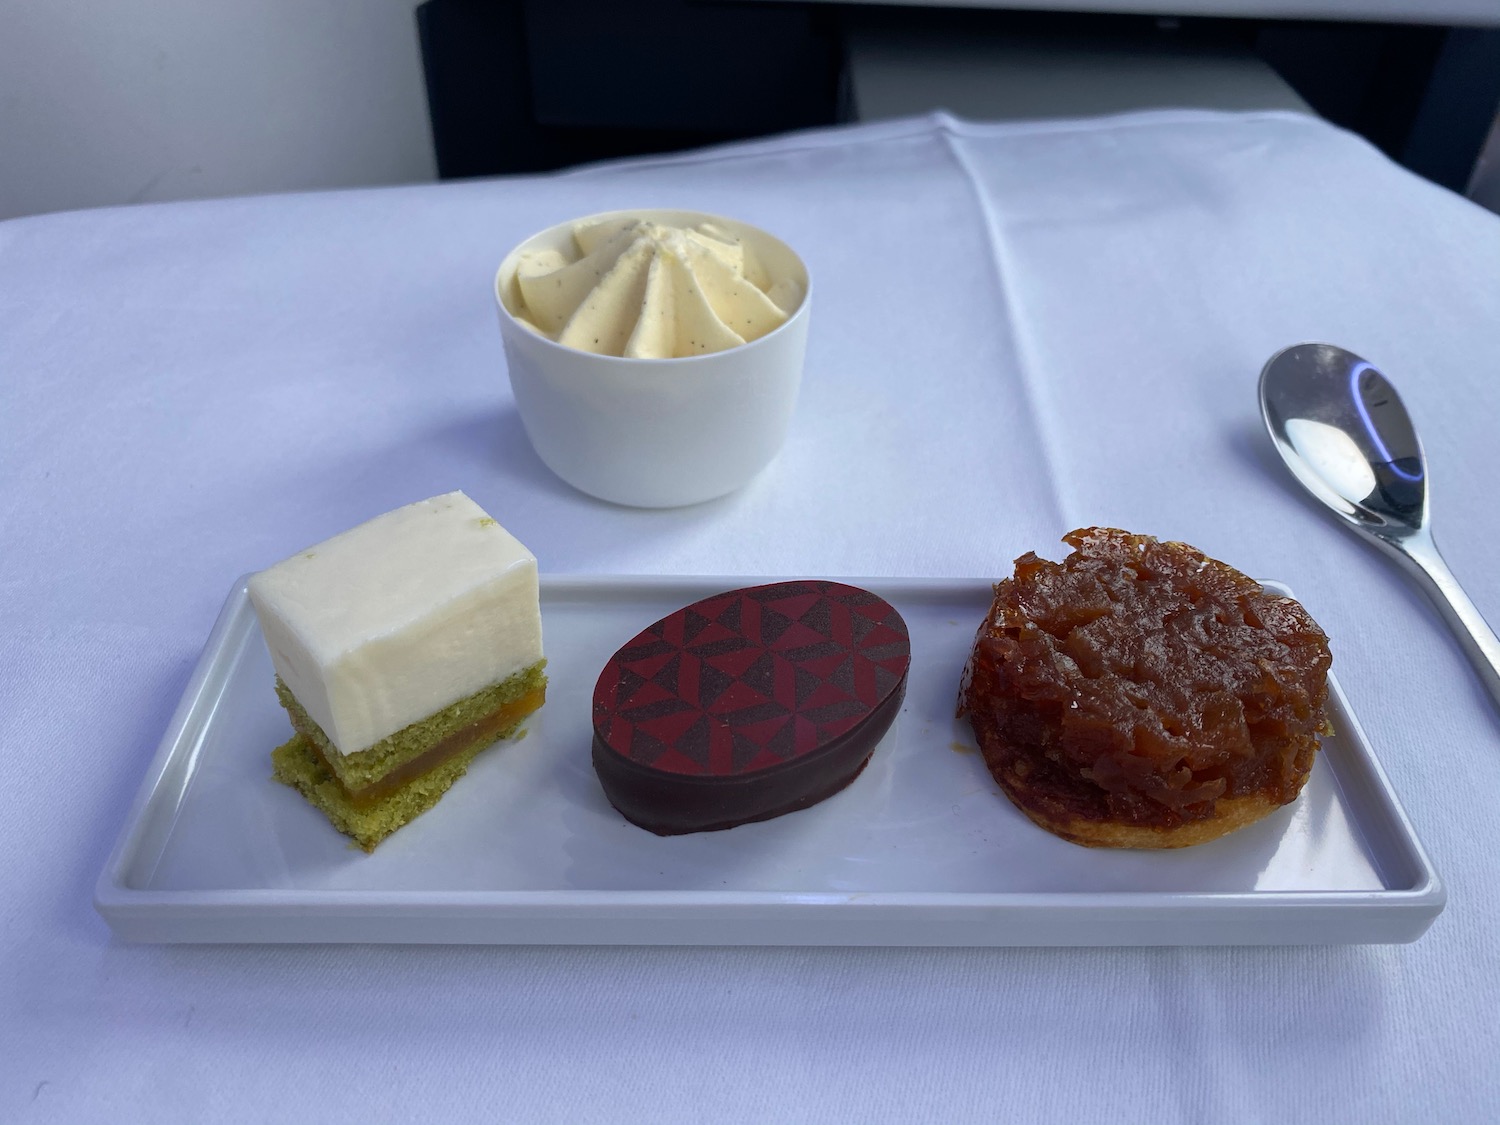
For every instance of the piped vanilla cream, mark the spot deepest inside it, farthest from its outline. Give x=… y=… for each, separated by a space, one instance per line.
x=393 y=620
x=648 y=290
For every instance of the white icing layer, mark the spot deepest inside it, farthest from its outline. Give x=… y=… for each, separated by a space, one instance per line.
x=650 y=291
x=399 y=617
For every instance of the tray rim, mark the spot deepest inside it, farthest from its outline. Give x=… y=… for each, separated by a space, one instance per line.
x=1390 y=914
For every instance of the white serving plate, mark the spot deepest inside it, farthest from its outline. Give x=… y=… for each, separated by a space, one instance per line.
x=922 y=849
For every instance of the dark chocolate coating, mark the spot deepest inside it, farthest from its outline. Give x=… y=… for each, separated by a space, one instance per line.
x=748 y=705
x=671 y=804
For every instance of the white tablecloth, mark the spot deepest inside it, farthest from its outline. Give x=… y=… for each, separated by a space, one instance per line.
x=1018 y=330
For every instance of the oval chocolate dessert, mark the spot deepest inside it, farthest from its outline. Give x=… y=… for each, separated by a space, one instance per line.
x=1142 y=695
x=748 y=704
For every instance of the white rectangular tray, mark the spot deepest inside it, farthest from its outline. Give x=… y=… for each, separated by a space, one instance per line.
x=922 y=849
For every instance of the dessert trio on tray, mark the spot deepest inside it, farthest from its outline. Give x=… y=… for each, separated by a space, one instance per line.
x=1136 y=695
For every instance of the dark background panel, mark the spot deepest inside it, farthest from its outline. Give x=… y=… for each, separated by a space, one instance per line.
x=533 y=85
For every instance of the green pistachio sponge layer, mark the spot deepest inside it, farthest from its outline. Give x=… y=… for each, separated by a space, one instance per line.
x=298 y=764
x=364 y=767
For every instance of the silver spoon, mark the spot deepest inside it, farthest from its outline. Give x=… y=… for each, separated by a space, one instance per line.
x=1340 y=427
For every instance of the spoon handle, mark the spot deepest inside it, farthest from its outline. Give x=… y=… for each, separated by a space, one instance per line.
x=1478 y=640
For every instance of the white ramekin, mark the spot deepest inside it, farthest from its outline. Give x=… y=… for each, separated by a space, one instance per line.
x=656 y=433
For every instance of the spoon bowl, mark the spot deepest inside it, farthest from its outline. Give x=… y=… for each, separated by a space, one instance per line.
x=1345 y=434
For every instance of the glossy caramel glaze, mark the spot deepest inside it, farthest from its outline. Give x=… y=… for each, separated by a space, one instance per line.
x=1143 y=684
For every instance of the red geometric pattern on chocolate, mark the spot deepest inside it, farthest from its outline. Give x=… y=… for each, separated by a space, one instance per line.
x=749 y=679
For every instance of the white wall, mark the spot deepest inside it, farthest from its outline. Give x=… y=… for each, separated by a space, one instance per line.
x=127 y=101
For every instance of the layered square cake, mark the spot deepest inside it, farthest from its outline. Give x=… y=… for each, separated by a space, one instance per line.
x=402 y=648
